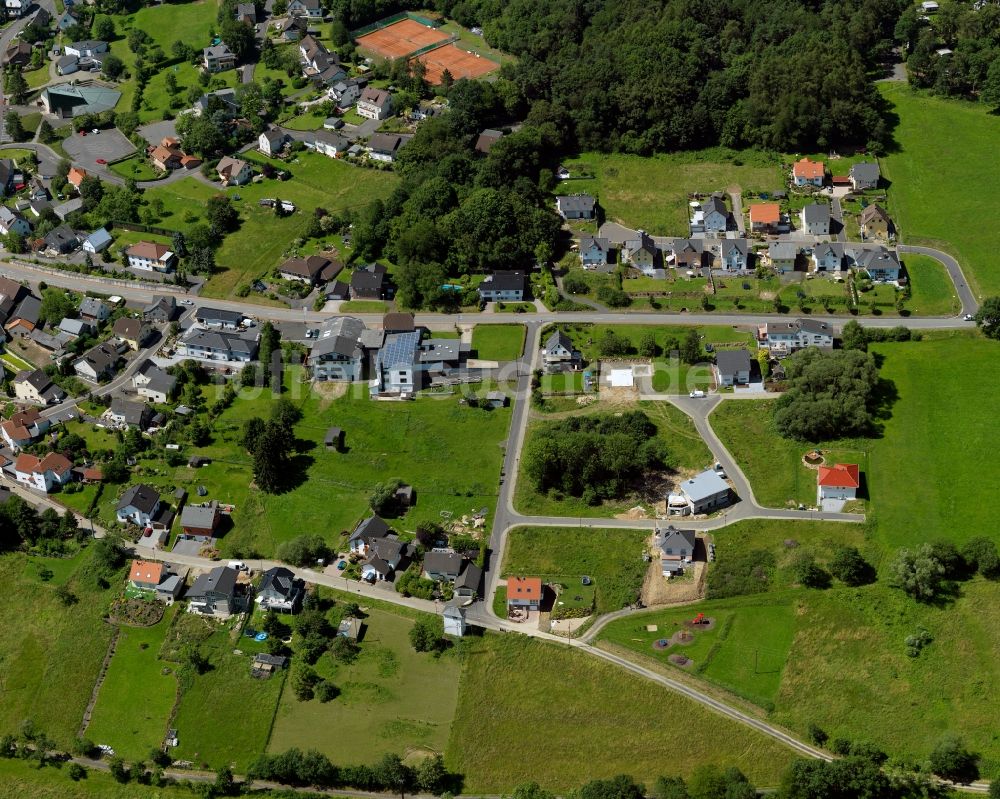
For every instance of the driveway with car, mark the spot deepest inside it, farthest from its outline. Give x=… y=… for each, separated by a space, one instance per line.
x=93 y=151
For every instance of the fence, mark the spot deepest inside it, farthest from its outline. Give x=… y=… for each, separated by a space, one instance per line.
x=433 y=46
x=110 y=281
x=385 y=23
x=139 y=228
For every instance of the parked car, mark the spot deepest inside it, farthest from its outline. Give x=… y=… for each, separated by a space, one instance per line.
x=969 y=317
x=697 y=394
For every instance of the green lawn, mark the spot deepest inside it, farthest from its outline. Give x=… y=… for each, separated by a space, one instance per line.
x=364 y=306
x=562 y=383
x=135 y=699
x=393 y=699
x=530 y=711
x=498 y=342
x=933 y=293
x=773 y=464
x=137 y=168
x=50 y=654
x=587 y=337
x=312 y=119
x=942 y=173
x=683 y=443
x=652 y=193
x=612 y=558
x=23 y=778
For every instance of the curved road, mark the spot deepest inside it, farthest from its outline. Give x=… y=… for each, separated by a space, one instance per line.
x=969 y=302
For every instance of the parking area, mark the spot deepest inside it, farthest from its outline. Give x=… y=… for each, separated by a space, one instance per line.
x=108 y=145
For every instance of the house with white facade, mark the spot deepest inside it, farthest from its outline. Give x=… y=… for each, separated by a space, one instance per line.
x=783 y=338
x=840 y=481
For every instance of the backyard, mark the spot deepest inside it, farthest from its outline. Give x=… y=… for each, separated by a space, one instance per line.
x=530 y=711
x=393 y=699
x=652 y=193
x=498 y=342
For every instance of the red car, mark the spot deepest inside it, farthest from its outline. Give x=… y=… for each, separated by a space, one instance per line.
x=101 y=161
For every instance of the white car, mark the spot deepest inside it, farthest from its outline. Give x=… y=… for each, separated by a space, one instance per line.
x=697 y=394
x=969 y=317
x=187 y=302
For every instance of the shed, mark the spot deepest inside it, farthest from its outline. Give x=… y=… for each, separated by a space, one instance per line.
x=406 y=496
x=334 y=438
x=350 y=628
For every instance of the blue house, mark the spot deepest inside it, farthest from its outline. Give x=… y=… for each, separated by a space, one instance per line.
x=596 y=253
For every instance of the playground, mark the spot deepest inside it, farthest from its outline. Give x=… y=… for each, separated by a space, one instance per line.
x=458 y=62
x=401 y=39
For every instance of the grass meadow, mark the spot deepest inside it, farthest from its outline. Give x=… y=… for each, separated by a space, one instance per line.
x=498 y=342
x=530 y=711
x=941 y=174
x=611 y=558
x=393 y=699
x=652 y=193
x=25 y=780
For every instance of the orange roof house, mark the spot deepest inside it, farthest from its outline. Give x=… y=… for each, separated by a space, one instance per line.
x=75 y=177
x=524 y=592
x=805 y=172
x=145 y=573
x=765 y=214
x=840 y=481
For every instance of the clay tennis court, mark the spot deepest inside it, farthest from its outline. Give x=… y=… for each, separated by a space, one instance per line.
x=460 y=63
x=400 y=39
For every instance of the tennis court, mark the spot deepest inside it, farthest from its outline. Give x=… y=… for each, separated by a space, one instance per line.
x=460 y=63
x=400 y=39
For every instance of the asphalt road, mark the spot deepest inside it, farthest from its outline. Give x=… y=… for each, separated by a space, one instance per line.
x=969 y=302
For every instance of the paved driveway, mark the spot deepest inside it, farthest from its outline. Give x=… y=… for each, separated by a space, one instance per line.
x=109 y=145
x=157 y=131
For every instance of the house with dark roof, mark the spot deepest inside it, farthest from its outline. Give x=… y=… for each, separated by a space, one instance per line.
x=442 y=566
x=139 y=505
x=815 y=219
x=576 y=206
x=151 y=382
x=384 y=556
x=827 y=257
x=218 y=58
x=374 y=104
x=214 y=593
x=131 y=331
x=486 y=140
x=312 y=269
x=272 y=141
x=559 y=351
x=99 y=361
x=782 y=256
x=280 y=590
x=337 y=351
x=397 y=366
x=677 y=549
x=732 y=367
x=385 y=146
x=711 y=216
x=36 y=386
x=882 y=265
x=366 y=533
x=596 y=253
x=161 y=309
x=368 y=282
x=865 y=175
x=875 y=223
x=220 y=318
x=785 y=337
x=734 y=255
x=642 y=253
x=66 y=100
x=201 y=519
x=213 y=345
x=61 y=240
x=94 y=309
x=504 y=286
x=246 y=13
x=398 y=322
x=125 y=414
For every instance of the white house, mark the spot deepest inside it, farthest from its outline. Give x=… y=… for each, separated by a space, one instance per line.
x=374 y=103
x=503 y=287
x=36 y=387
x=305 y=8
x=676 y=549
x=732 y=367
x=734 y=255
x=43 y=474
x=783 y=338
x=233 y=171
x=98 y=241
x=711 y=216
x=840 y=481
x=337 y=352
x=454 y=620
x=151 y=256
x=17 y=8
x=272 y=141
x=808 y=173
x=218 y=58
x=12 y=222
x=396 y=365
x=153 y=383
x=827 y=257
x=384 y=146
x=23 y=428
x=576 y=206
x=138 y=505
x=559 y=350
x=815 y=219
x=703 y=493
x=88 y=48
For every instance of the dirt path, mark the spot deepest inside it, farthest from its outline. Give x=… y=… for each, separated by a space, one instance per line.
x=112 y=646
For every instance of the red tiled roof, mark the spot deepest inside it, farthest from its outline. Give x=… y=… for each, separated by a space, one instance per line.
x=804 y=168
x=765 y=213
x=148 y=249
x=145 y=571
x=840 y=475
x=524 y=588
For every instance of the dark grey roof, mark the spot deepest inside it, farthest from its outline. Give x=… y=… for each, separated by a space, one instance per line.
x=91 y=306
x=168 y=304
x=221 y=315
x=443 y=563
x=558 y=338
x=815 y=213
x=783 y=249
x=221 y=342
x=866 y=172
x=504 y=281
x=200 y=516
x=28 y=309
x=280 y=580
x=371 y=528
x=714 y=203
x=730 y=362
x=470 y=577
x=672 y=537
x=60 y=237
x=141 y=497
x=400 y=349
x=740 y=245
x=386 y=143
x=221 y=580
x=589 y=241
x=134 y=413
x=368 y=278
x=340 y=335
x=576 y=202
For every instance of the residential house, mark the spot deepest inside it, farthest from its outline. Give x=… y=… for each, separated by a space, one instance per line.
x=366 y=533
x=782 y=255
x=677 y=549
x=384 y=557
x=368 y=282
x=36 y=386
x=384 y=146
x=441 y=358
x=94 y=310
x=767 y=218
x=151 y=256
x=71 y=206
x=596 y=253
x=328 y=143
x=312 y=9
x=840 y=481
x=783 y=338
x=865 y=175
x=337 y=353
x=161 y=309
x=98 y=241
x=468 y=580
x=166 y=159
x=12 y=222
x=345 y=94
x=734 y=255
x=374 y=103
x=211 y=345
x=576 y=206
x=524 y=593
x=153 y=383
x=312 y=270
x=201 y=519
x=23 y=428
x=219 y=318
x=808 y=173
x=442 y=566
x=486 y=140
x=214 y=593
x=147 y=575
x=876 y=224
x=17 y=8
x=289 y=28
x=559 y=351
x=454 y=620
x=688 y=254
x=220 y=99
x=218 y=58
x=827 y=257
x=98 y=362
x=815 y=219
x=87 y=48
x=75 y=177
x=503 y=287
x=124 y=414
x=711 y=216
x=396 y=365
x=17 y=54
x=280 y=590
x=642 y=253
x=398 y=322
x=75 y=327
x=131 y=331
x=66 y=21
x=233 y=171
x=43 y=474
x=246 y=13
x=882 y=265
x=139 y=505
x=703 y=493
x=61 y=240
x=732 y=367
x=272 y=141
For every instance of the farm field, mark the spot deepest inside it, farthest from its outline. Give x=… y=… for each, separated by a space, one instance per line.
x=498 y=342
x=612 y=558
x=652 y=193
x=674 y=427
x=775 y=469
x=933 y=187
x=47 y=649
x=578 y=719
x=393 y=699
x=136 y=696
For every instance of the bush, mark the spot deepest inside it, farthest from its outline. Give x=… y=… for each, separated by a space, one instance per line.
x=76 y=772
x=952 y=761
x=735 y=575
x=848 y=566
x=575 y=284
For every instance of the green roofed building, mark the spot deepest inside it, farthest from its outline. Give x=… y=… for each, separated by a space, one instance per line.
x=72 y=101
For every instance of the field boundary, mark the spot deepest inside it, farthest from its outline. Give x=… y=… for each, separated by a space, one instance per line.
x=385 y=22
x=112 y=646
